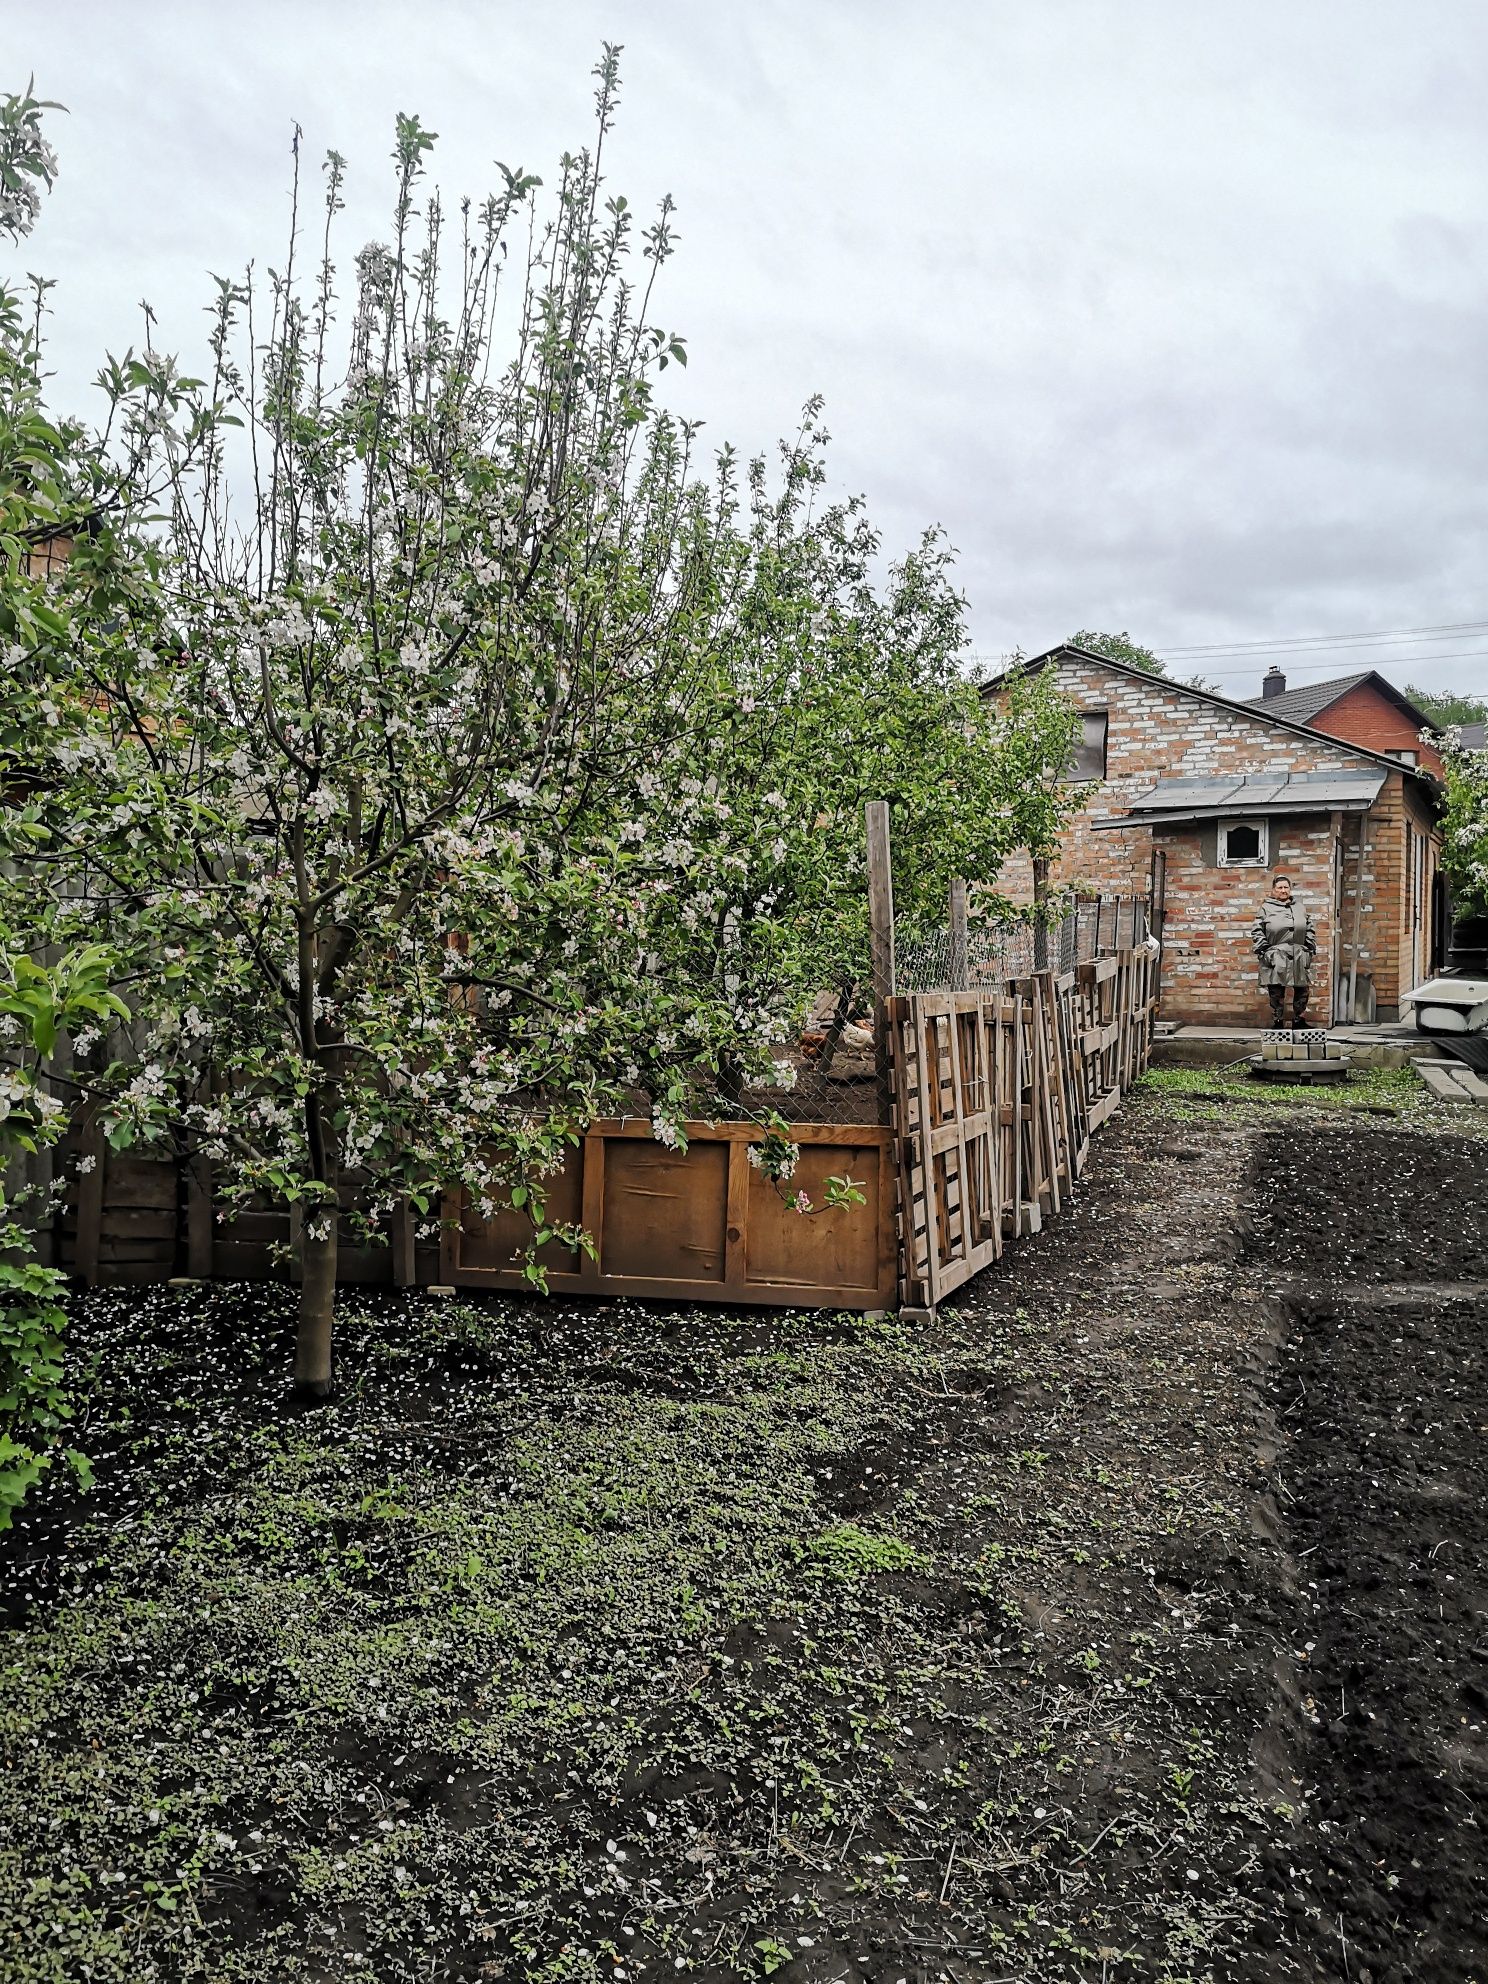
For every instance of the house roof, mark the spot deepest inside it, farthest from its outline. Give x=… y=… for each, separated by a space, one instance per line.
x=1177 y=801
x=1257 y=712
x=1302 y=705
x=1474 y=736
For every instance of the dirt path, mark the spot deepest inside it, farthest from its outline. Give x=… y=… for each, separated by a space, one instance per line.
x=1129 y=1625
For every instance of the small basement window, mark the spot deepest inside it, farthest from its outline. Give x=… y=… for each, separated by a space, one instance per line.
x=1090 y=751
x=1242 y=843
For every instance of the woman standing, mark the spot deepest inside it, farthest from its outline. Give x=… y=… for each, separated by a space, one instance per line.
x=1285 y=942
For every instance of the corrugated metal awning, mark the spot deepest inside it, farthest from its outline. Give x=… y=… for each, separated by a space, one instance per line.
x=1177 y=801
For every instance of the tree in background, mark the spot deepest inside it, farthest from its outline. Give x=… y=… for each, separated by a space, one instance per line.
x=1465 y=828
x=1120 y=647
x=474 y=761
x=49 y=487
x=1448 y=708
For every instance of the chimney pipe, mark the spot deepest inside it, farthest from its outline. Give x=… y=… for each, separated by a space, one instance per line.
x=1273 y=683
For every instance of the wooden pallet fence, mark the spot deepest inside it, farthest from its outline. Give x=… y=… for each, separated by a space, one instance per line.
x=996 y=1096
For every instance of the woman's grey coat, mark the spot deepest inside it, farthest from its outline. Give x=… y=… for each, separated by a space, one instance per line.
x=1285 y=942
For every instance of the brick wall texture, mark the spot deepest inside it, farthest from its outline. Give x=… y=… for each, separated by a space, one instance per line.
x=1363 y=716
x=1209 y=975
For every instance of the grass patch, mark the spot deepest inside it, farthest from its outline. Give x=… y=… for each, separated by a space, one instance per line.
x=312 y=1689
x=1196 y=1092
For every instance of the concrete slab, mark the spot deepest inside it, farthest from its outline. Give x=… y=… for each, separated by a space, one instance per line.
x=1386 y=1045
x=1443 y=1082
x=1315 y=1070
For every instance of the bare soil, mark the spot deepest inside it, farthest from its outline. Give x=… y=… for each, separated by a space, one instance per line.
x=1382 y=1386
x=1127 y=1624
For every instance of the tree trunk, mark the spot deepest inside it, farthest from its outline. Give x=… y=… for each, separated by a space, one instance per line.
x=1041 y=913
x=312 y=1374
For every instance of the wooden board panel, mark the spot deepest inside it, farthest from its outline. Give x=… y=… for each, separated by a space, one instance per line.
x=251 y=1227
x=155 y=1223
x=244 y=1260
x=832 y=1250
x=501 y=1242
x=664 y=1211
x=134 y=1181
x=666 y=1222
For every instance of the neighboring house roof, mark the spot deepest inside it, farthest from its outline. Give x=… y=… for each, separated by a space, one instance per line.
x=1178 y=801
x=1474 y=736
x=1302 y=705
x=1257 y=712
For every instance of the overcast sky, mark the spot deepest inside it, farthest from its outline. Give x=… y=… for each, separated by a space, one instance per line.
x=1173 y=315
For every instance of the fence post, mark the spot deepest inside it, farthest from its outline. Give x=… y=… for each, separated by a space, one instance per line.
x=94 y=1154
x=200 y=1216
x=881 y=940
x=960 y=968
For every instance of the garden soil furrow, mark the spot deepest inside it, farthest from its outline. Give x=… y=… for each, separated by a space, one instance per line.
x=1125 y=1624
x=1383 y=1387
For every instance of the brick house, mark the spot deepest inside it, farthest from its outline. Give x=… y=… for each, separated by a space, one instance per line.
x=1192 y=799
x=1360 y=709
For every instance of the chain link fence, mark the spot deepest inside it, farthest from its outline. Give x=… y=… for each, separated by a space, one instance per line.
x=828 y=1072
x=832 y=1071
x=948 y=960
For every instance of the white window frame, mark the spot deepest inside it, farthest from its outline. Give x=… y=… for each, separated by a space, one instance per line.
x=1258 y=860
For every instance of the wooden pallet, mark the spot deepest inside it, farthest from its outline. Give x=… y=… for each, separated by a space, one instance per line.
x=996 y=1095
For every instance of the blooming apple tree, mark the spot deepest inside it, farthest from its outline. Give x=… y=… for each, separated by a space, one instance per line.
x=1465 y=826
x=48 y=481
x=477 y=759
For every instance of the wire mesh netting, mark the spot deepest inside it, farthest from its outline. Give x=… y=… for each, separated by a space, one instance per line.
x=943 y=960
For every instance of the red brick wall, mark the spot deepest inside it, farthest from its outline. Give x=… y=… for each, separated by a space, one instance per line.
x=1209 y=969
x=1363 y=716
x=1402 y=851
x=1209 y=973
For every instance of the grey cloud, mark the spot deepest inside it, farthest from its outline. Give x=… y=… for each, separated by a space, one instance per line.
x=1171 y=315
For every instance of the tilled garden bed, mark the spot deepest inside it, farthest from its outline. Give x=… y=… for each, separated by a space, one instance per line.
x=589 y=1641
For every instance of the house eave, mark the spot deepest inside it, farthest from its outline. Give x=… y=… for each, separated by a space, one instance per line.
x=1190 y=816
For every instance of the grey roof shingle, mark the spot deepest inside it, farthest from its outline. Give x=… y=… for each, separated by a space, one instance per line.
x=1302 y=705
